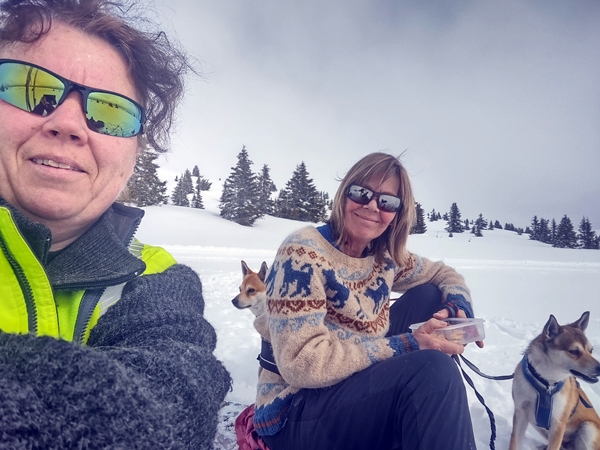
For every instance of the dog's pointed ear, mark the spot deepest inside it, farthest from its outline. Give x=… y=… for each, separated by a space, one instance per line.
x=552 y=327
x=262 y=273
x=583 y=321
x=245 y=268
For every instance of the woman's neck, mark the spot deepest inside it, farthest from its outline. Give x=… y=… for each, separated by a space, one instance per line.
x=353 y=249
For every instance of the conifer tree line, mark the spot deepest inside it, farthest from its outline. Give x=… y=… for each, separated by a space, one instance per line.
x=186 y=187
x=561 y=235
x=248 y=196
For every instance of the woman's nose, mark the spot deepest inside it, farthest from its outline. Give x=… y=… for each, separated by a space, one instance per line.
x=68 y=119
x=372 y=205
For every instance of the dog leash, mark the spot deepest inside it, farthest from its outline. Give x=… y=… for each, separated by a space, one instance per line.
x=475 y=369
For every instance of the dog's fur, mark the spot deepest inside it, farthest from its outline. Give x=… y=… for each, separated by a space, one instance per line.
x=252 y=290
x=560 y=353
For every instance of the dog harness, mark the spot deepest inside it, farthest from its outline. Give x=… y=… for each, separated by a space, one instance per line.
x=266 y=358
x=545 y=393
x=543 y=406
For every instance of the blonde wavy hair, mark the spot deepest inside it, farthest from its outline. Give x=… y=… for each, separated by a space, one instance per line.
x=393 y=240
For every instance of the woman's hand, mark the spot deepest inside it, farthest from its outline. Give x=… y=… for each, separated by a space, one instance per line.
x=427 y=340
x=443 y=314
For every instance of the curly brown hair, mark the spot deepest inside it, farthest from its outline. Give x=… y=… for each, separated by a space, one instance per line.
x=394 y=238
x=156 y=64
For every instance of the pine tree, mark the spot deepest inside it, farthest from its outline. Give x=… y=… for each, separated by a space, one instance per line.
x=586 y=235
x=553 y=231
x=203 y=183
x=187 y=185
x=300 y=200
x=535 y=225
x=490 y=226
x=543 y=234
x=144 y=188
x=240 y=200
x=433 y=216
x=420 y=227
x=565 y=234
x=197 y=198
x=479 y=225
x=454 y=222
x=497 y=225
x=179 y=196
x=325 y=200
x=266 y=187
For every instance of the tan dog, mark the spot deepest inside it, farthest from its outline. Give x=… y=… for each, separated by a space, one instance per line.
x=546 y=393
x=252 y=290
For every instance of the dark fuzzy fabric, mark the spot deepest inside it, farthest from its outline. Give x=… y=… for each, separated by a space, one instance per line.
x=147 y=380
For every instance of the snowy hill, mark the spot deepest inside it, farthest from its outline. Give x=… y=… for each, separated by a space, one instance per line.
x=516 y=284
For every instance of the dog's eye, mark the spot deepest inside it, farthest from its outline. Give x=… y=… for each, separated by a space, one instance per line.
x=251 y=291
x=575 y=352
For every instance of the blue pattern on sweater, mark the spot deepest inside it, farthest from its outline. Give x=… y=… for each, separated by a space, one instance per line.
x=332 y=285
x=301 y=279
x=269 y=419
x=398 y=344
x=380 y=295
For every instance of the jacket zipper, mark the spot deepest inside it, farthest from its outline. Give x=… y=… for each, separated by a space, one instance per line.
x=93 y=294
x=90 y=299
x=25 y=288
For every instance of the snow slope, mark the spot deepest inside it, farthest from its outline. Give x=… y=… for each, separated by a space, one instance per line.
x=516 y=284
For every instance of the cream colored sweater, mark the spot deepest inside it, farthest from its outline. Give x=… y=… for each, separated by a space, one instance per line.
x=328 y=314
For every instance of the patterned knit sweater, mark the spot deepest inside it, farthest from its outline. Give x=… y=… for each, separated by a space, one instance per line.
x=328 y=314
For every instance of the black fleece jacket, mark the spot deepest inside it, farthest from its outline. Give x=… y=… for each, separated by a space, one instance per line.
x=147 y=378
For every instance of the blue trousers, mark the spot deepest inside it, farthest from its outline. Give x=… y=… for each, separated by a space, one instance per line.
x=413 y=401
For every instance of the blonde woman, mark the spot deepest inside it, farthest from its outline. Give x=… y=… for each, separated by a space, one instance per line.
x=348 y=373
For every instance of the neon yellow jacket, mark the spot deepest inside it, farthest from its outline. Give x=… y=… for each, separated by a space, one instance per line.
x=65 y=297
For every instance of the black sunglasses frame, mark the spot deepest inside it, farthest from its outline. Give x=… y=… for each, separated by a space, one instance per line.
x=84 y=91
x=368 y=194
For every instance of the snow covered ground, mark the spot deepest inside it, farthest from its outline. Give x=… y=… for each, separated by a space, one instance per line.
x=516 y=284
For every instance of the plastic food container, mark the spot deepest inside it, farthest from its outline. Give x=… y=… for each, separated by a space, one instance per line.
x=459 y=331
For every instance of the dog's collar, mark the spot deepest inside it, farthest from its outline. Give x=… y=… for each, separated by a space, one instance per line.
x=545 y=392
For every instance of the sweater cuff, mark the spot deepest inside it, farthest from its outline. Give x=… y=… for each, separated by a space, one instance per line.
x=454 y=302
x=403 y=343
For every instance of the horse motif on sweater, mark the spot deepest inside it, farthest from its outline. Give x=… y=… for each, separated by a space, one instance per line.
x=298 y=278
x=337 y=293
x=378 y=295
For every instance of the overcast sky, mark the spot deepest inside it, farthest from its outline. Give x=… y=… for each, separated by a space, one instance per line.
x=496 y=103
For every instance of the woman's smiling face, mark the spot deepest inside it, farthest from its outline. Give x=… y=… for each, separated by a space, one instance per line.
x=53 y=168
x=363 y=223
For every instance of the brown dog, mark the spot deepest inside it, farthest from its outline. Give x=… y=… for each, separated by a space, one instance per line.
x=546 y=393
x=252 y=290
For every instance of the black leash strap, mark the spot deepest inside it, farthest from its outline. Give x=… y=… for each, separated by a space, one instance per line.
x=479 y=396
x=474 y=368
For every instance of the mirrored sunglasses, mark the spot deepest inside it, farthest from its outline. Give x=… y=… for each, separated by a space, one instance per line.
x=39 y=91
x=362 y=196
